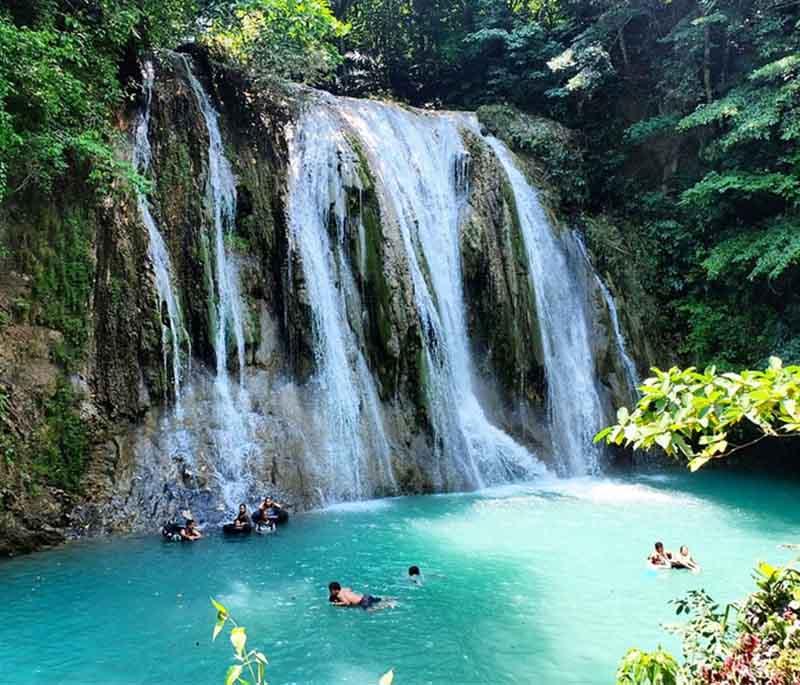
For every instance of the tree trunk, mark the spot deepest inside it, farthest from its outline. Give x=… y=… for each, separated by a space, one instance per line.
x=707 y=63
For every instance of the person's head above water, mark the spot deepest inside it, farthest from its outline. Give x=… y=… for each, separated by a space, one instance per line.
x=684 y=550
x=413 y=571
x=333 y=590
x=660 y=547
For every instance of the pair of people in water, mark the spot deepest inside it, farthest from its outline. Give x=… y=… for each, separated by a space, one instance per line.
x=346 y=597
x=664 y=559
x=267 y=514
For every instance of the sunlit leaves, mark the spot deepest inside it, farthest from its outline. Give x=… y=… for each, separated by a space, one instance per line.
x=688 y=413
x=280 y=37
x=647 y=668
x=251 y=662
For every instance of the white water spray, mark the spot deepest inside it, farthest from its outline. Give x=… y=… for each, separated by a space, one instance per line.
x=574 y=405
x=420 y=164
x=173 y=333
x=234 y=434
x=631 y=374
x=321 y=167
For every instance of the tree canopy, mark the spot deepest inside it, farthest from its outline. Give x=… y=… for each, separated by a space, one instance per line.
x=687 y=113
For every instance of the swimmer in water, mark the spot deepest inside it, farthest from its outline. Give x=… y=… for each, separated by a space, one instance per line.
x=414 y=575
x=660 y=558
x=346 y=597
x=684 y=560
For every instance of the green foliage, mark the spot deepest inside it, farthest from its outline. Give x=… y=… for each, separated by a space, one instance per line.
x=63 y=277
x=59 y=80
x=647 y=668
x=250 y=662
x=690 y=413
x=551 y=145
x=767 y=253
x=59 y=449
x=756 y=641
x=286 y=38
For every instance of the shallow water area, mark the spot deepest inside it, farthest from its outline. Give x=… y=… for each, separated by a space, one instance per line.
x=542 y=583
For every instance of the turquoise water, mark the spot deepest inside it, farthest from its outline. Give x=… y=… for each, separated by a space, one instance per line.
x=540 y=583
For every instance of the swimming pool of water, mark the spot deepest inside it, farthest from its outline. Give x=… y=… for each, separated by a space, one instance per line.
x=540 y=583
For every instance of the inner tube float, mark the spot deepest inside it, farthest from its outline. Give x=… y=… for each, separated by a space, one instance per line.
x=233 y=529
x=280 y=516
x=171 y=532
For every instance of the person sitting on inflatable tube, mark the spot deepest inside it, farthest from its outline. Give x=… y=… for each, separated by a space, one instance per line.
x=171 y=531
x=189 y=532
x=241 y=524
x=270 y=513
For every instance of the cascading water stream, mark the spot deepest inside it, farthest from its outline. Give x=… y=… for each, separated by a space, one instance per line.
x=173 y=332
x=234 y=432
x=321 y=168
x=574 y=404
x=631 y=374
x=419 y=163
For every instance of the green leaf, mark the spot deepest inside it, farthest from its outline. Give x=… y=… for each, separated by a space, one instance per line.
x=260 y=657
x=219 y=607
x=239 y=639
x=602 y=434
x=664 y=440
x=697 y=463
x=766 y=570
x=233 y=674
x=217 y=628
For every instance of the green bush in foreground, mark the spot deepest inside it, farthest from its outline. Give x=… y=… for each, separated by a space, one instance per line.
x=754 y=642
x=690 y=413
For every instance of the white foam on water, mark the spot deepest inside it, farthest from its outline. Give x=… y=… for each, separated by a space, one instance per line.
x=616 y=493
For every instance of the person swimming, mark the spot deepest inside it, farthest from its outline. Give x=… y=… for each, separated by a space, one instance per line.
x=414 y=575
x=659 y=557
x=684 y=560
x=346 y=597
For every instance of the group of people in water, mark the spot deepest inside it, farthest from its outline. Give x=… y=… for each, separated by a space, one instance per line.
x=264 y=519
x=347 y=597
x=661 y=558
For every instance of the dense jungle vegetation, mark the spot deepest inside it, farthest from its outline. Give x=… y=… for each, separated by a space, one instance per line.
x=687 y=111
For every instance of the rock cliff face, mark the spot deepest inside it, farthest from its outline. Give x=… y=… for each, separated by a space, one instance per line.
x=88 y=386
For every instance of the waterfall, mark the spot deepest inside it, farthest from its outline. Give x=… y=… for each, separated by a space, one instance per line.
x=574 y=404
x=173 y=333
x=419 y=162
x=631 y=374
x=233 y=437
x=321 y=168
